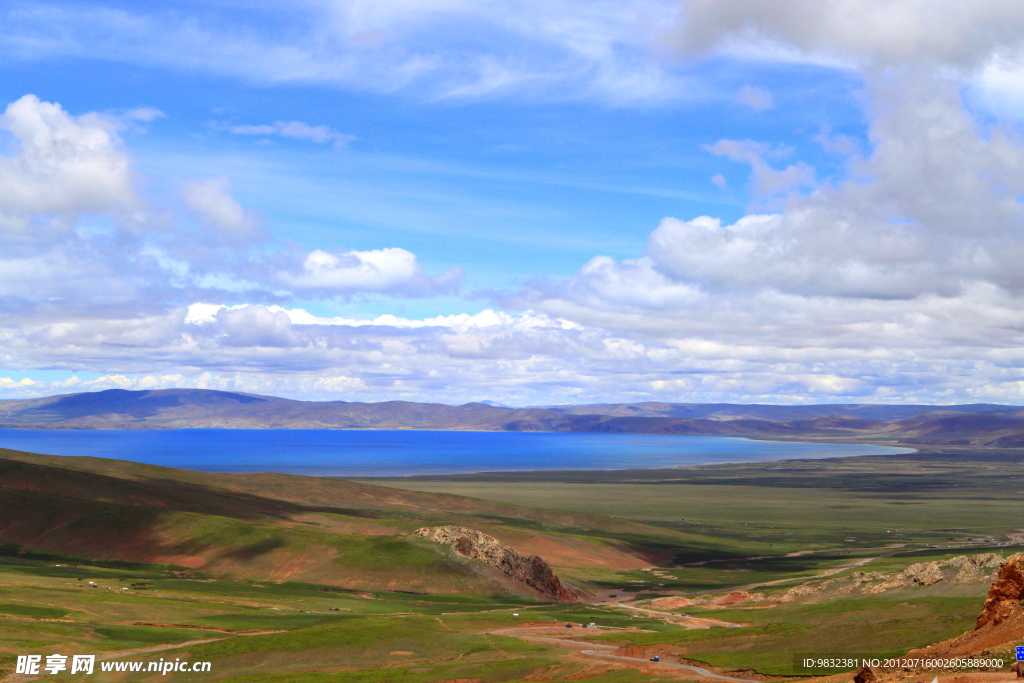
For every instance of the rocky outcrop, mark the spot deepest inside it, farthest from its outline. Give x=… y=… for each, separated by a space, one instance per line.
x=529 y=570
x=865 y=675
x=969 y=569
x=1001 y=621
x=1005 y=595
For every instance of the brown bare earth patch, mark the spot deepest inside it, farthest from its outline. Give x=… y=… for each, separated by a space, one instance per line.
x=733 y=598
x=671 y=603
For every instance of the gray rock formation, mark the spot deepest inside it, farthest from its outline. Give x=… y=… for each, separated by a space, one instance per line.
x=531 y=571
x=970 y=569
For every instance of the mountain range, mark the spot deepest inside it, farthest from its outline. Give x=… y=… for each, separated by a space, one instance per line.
x=971 y=424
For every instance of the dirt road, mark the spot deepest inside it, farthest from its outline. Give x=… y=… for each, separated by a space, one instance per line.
x=516 y=633
x=714 y=622
x=694 y=669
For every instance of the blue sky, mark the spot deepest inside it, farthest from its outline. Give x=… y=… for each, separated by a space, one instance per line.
x=546 y=201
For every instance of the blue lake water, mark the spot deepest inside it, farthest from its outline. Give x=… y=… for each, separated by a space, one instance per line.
x=328 y=452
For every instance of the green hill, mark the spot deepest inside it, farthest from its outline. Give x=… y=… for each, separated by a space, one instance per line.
x=291 y=528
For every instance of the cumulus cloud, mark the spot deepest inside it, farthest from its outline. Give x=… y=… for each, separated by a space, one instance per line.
x=895 y=278
x=276 y=350
x=380 y=270
x=74 y=234
x=867 y=32
x=296 y=130
x=255 y=326
x=63 y=166
x=618 y=331
x=932 y=208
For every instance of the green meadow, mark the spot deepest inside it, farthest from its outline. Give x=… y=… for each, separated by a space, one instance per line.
x=779 y=507
x=419 y=614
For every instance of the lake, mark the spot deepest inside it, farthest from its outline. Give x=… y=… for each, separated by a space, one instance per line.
x=328 y=452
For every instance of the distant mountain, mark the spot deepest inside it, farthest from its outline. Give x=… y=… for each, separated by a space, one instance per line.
x=974 y=424
x=761 y=411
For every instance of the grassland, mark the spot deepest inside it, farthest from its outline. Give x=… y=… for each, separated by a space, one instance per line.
x=305 y=579
x=930 y=496
x=279 y=631
x=879 y=626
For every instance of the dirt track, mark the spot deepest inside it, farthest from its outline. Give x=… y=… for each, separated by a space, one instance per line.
x=515 y=633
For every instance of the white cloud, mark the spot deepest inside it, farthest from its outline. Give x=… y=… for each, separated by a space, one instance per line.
x=255 y=326
x=74 y=235
x=204 y=313
x=899 y=280
x=63 y=166
x=144 y=114
x=296 y=130
x=617 y=52
x=765 y=179
x=605 y=336
x=551 y=49
x=213 y=206
x=871 y=32
x=837 y=143
x=379 y=270
x=755 y=98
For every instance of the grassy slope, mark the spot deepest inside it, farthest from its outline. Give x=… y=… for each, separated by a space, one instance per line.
x=286 y=527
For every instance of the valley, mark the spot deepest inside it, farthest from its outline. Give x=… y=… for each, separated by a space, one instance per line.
x=719 y=570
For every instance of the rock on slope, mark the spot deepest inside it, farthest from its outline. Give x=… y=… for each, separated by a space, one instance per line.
x=1004 y=598
x=531 y=571
x=1000 y=625
x=1001 y=621
x=969 y=569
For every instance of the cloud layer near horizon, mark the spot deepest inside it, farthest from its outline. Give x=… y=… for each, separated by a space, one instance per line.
x=896 y=280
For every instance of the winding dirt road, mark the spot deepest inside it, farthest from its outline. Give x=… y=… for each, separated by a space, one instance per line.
x=515 y=633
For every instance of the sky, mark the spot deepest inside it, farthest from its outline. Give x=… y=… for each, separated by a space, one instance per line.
x=535 y=203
